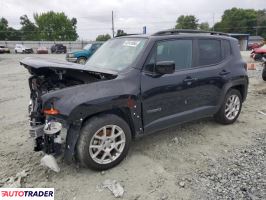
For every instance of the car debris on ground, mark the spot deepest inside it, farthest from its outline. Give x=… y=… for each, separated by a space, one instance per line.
x=15 y=182
x=50 y=162
x=261 y=112
x=114 y=186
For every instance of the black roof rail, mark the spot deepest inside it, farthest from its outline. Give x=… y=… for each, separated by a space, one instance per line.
x=177 y=31
x=127 y=35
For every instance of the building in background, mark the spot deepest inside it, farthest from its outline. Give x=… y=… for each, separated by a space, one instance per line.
x=256 y=39
x=243 y=39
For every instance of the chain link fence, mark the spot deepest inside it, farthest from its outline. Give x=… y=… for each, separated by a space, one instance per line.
x=70 y=45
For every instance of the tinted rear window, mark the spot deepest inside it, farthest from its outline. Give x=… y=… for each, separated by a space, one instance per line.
x=226 y=49
x=209 y=52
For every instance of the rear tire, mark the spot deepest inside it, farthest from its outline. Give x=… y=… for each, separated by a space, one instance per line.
x=104 y=142
x=258 y=57
x=230 y=108
x=264 y=74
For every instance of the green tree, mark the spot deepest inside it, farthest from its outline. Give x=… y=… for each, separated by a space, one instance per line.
x=204 y=26
x=186 y=22
x=103 y=37
x=8 y=33
x=56 y=26
x=13 y=34
x=238 y=20
x=28 y=30
x=3 y=29
x=120 y=33
x=261 y=23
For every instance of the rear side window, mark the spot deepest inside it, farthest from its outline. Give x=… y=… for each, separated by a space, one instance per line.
x=209 y=52
x=179 y=51
x=226 y=49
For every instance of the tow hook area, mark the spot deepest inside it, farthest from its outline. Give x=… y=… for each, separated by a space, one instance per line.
x=52 y=144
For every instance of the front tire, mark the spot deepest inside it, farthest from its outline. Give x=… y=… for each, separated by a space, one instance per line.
x=230 y=108
x=81 y=60
x=104 y=142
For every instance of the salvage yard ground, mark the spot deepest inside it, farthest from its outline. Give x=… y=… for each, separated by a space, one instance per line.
x=198 y=160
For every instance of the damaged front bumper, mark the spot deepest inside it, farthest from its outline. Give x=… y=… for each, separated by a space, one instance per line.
x=49 y=140
x=47 y=137
x=55 y=138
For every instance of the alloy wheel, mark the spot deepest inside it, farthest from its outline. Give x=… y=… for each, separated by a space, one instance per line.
x=232 y=107
x=107 y=144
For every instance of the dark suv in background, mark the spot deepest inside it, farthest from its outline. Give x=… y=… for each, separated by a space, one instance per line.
x=132 y=86
x=58 y=48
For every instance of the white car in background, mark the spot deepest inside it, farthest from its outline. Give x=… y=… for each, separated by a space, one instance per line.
x=20 y=48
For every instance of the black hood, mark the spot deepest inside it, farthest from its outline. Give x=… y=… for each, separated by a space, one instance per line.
x=40 y=63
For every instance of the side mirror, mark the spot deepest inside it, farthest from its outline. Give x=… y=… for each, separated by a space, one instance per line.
x=165 y=67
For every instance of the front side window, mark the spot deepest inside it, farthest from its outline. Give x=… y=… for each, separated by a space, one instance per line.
x=179 y=51
x=209 y=52
x=117 y=54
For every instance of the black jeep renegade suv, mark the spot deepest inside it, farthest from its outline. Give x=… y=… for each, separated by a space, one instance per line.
x=132 y=86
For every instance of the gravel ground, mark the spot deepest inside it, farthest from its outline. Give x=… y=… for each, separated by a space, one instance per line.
x=197 y=160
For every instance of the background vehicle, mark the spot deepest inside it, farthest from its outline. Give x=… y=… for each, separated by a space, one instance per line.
x=252 y=46
x=20 y=48
x=42 y=50
x=132 y=86
x=83 y=55
x=259 y=53
x=58 y=48
x=4 y=49
x=264 y=69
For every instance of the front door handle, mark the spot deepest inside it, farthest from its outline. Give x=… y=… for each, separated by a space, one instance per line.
x=224 y=72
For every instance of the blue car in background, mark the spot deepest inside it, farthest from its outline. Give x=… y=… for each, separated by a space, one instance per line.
x=82 y=56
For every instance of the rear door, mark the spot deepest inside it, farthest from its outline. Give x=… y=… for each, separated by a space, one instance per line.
x=208 y=76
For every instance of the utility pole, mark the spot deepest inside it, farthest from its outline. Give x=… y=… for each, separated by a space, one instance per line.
x=113 y=28
x=144 y=30
x=213 y=16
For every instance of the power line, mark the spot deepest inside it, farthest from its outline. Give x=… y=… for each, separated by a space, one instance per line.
x=120 y=27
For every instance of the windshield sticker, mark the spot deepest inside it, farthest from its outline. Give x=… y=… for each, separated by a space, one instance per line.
x=131 y=43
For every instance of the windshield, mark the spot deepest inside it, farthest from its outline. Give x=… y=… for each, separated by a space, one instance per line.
x=87 y=47
x=117 y=54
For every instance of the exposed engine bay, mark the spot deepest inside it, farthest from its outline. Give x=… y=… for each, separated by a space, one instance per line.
x=44 y=128
x=47 y=80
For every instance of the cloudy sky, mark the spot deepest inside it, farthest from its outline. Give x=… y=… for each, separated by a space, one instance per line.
x=94 y=16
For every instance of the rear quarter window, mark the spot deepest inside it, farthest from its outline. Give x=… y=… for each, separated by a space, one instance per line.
x=227 y=51
x=209 y=52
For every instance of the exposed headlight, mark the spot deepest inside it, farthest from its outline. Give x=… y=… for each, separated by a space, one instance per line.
x=71 y=55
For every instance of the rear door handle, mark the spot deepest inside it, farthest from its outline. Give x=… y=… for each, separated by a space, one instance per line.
x=224 y=72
